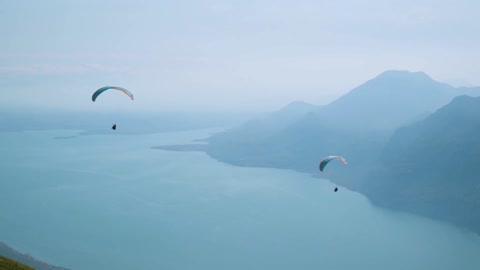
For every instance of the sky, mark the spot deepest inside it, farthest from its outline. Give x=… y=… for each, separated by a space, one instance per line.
x=225 y=55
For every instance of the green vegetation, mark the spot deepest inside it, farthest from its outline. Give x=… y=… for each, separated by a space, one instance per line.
x=12 y=254
x=7 y=264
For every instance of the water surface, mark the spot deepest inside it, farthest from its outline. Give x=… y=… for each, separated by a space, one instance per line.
x=112 y=202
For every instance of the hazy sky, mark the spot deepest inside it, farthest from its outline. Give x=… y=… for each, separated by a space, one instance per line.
x=220 y=54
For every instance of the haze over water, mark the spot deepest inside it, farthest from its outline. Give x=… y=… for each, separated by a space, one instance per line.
x=112 y=202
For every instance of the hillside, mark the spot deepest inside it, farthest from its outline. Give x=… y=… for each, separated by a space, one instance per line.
x=392 y=99
x=26 y=259
x=7 y=264
x=432 y=167
x=260 y=128
x=357 y=126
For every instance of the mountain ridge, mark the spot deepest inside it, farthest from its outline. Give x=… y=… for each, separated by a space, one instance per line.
x=343 y=128
x=432 y=167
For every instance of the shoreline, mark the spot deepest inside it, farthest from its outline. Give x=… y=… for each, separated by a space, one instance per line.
x=194 y=147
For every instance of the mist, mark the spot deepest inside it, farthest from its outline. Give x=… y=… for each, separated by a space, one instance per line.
x=214 y=164
x=225 y=55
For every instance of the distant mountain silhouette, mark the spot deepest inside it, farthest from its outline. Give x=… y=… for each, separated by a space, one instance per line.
x=262 y=127
x=392 y=99
x=433 y=167
x=357 y=126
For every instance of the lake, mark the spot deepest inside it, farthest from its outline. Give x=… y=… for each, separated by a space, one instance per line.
x=111 y=202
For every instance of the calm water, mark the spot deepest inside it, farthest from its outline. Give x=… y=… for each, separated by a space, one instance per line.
x=111 y=202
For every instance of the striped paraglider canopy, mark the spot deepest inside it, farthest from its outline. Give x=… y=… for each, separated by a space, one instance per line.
x=105 y=88
x=327 y=159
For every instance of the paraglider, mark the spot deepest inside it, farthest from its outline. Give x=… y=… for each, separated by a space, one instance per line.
x=105 y=88
x=327 y=159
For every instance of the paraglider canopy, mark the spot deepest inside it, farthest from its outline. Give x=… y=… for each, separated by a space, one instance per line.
x=327 y=159
x=103 y=89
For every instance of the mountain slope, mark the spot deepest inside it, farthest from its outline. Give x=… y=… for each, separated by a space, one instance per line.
x=260 y=128
x=392 y=99
x=433 y=167
x=355 y=125
x=7 y=264
x=26 y=259
x=359 y=125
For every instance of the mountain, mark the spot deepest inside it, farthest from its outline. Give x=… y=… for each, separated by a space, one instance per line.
x=392 y=99
x=368 y=126
x=356 y=125
x=7 y=264
x=11 y=254
x=262 y=127
x=433 y=167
